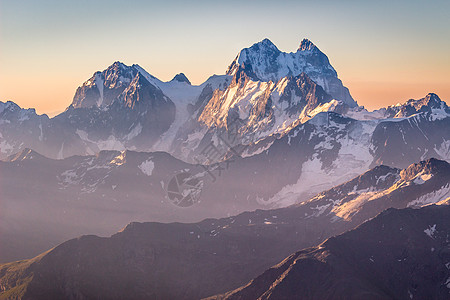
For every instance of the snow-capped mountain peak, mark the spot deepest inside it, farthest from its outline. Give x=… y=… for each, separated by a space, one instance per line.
x=430 y=101
x=430 y=105
x=263 y=61
x=104 y=86
x=265 y=45
x=266 y=42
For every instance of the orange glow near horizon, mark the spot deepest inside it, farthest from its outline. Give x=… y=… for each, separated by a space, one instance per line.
x=375 y=95
x=384 y=51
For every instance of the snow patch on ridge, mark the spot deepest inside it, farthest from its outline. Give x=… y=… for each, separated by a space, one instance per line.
x=432 y=198
x=147 y=167
x=41 y=135
x=61 y=152
x=353 y=159
x=430 y=231
x=422 y=178
x=182 y=95
x=134 y=132
x=444 y=150
x=5 y=147
x=99 y=82
x=111 y=143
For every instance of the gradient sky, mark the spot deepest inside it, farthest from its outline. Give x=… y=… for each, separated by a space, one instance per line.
x=385 y=52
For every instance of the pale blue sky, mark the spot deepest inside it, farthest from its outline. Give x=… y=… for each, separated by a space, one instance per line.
x=384 y=51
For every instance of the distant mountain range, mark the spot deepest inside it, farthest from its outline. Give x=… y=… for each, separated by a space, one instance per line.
x=267 y=91
x=269 y=104
x=195 y=260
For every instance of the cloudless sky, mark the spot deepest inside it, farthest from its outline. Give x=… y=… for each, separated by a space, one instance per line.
x=384 y=51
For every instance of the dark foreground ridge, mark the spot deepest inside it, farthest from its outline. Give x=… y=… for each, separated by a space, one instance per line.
x=400 y=254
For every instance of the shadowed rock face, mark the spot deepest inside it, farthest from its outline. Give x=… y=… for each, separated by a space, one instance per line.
x=290 y=97
x=122 y=105
x=400 y=254
x=190 y=261
x=414 y=138
x=181 y=78
x=104 y=87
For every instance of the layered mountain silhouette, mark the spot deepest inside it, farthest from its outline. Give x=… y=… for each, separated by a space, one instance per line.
x=272 y=157
x=400 y=254
x=280 y=115
x=194 y=260
x=122 y=186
